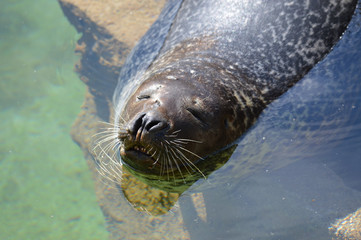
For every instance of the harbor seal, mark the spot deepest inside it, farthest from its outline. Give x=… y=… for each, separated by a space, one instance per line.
x=203 y=74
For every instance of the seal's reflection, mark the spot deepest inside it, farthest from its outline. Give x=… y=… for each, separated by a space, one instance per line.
x=157 y=194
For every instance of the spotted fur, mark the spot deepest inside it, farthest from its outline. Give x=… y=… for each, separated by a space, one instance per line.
x=267 y=45
x=247 y=56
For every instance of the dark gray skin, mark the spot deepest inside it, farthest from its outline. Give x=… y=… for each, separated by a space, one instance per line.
x=206 y=69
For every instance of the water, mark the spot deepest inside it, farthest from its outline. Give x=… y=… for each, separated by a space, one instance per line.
x=46 y=191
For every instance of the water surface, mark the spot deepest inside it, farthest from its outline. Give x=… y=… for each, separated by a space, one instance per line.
x=46 y=191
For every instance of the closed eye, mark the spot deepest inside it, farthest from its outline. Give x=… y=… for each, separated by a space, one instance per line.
x=198 y=115
x=141 y=97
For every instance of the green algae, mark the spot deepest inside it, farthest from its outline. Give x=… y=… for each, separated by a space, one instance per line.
x=46 y=191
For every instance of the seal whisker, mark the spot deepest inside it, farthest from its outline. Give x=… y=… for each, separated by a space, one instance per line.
x=105 y=139
x=114 y=153
x=105 y=146
x=178 y=144
x=155 y=152
x=117 y=171
x=158 y=158
x=104 y=154
x=121 y=118
x=110 y=166
x=165 y=162
x=177 y=131
x=101 y=166
x=161 y=164
x=107 y=174
x=184 y=163
x=114 y=125
x=113 y=143
x=170 y=163
x=186 y=140
x=110 y=143
x=170 y=136
x=126 y=115
x=107 y=129
x=190 y=152
x=116 y=145
x=173 y=134
x=190 y=162
x=105 y=134
x=150 y=150
x=116 y=132
x=106 y=177
x=176 y=157
x=104 y=150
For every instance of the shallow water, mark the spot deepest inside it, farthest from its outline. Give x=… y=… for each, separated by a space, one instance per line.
x=46 y=191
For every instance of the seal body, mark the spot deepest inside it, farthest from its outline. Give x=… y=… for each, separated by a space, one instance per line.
x=206 y=69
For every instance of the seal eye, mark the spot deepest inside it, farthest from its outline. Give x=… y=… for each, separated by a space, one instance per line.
x=144 y=96
x=199 y=116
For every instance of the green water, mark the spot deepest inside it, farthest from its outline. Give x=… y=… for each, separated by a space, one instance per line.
x=46 y=191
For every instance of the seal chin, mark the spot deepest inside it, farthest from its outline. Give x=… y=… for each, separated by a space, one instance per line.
x=138 y=158
x=141 y=161
x=138 y=146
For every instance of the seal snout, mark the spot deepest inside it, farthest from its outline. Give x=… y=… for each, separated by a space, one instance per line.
x=144 y=133
x=148 y=125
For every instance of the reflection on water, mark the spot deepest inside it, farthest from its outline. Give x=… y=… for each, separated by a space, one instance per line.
x=45 y=189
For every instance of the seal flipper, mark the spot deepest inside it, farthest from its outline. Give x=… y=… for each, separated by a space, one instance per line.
x=145 y=52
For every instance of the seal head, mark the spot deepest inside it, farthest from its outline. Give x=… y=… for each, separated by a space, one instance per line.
x=175 y=119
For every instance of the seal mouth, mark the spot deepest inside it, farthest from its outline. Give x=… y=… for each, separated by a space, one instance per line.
x=139 y=148
x=139 y=157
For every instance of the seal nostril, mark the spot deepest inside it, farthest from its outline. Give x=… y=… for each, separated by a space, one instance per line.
x=137 y=124
x=155 y=125
x=146 y=123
